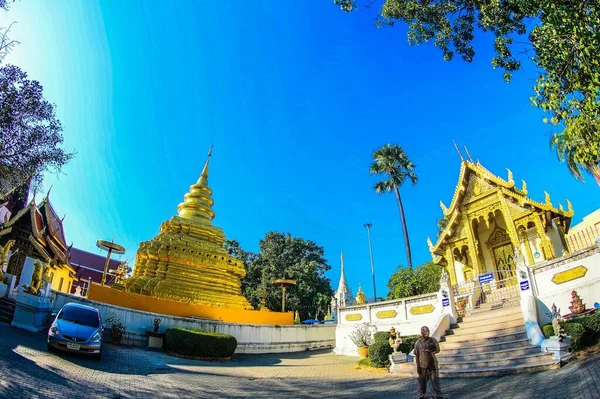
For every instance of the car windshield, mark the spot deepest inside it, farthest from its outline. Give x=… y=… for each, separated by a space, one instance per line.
x=85 y=317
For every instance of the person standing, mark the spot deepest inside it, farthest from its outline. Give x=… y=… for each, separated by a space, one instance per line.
x=425 y=349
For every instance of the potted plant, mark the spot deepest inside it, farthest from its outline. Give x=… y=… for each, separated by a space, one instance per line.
x=117 y=329
x=362 y=338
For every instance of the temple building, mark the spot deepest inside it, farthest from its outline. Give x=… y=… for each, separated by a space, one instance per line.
x=91 y=268
x=186 y=261
x=488 y=218
x=38 y=234
x=343 y=295
x=585 y=234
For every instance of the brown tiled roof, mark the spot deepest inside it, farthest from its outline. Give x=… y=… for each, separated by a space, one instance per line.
x=53 y=223
x=80 y=257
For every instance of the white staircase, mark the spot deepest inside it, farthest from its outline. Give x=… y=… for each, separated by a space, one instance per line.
x=487 y=343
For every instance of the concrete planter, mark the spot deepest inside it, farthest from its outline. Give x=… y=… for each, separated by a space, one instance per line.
x=3 y=290
x=32 y=313
x=363 y=351
x=155 y=340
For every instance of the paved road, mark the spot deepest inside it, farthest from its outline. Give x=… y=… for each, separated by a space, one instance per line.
x=27 y=370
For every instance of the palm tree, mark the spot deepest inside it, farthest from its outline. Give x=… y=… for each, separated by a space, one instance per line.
x=391 y=161
x=574 y=151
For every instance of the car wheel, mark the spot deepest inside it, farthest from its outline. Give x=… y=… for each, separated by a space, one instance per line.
x=50 y=347
x=98 y=355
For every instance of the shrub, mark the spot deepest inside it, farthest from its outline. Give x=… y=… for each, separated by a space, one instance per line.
x=381 y=336
x=408 y=343
x=366 y=362
x=378 y=354
x=117 y=328
x=548 y=330
x=199 y=344
x=576 y=332
x=591 y=322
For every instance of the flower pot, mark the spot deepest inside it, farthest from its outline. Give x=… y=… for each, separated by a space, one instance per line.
x=363 y=351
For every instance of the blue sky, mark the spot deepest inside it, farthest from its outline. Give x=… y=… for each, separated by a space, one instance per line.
x=295 y=97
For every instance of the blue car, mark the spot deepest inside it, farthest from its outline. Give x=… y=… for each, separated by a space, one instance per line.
x=77 y=328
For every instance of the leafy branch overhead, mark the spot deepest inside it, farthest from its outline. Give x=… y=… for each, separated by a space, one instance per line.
x=562 y=38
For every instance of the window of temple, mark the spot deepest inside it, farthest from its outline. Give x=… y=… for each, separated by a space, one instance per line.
x=60 y=284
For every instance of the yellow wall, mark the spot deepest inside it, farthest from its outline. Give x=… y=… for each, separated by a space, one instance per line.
x=145 y=303
x=61 y=272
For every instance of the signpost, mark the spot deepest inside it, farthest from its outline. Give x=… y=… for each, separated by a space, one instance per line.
x=486 y=278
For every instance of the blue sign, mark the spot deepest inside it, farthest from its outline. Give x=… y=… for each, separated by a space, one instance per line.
x=486 y=278
x=445 y=302
x=524 y=285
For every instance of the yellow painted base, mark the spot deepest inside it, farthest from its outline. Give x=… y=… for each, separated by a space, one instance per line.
x=174 y=308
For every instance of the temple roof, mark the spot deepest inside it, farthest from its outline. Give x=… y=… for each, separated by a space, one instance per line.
x=506 y=187
x=47 y=233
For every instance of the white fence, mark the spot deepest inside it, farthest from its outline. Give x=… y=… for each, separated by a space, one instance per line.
x=251 y=338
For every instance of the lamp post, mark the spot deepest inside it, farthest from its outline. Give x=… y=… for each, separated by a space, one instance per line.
x=368 y=227
x=111 y=247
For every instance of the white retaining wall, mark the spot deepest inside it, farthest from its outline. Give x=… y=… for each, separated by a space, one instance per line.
x=405 y=322
x=549 y=292
x=251 y=338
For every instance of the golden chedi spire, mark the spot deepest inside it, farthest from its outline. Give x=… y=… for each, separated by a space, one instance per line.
x=187 y=261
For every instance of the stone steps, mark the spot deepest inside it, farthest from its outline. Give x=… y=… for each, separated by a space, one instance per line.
x=410 y=370
x=460 y=356
x=7 y=310
x=525 y=360
x=457 y=348
x=487 y=314
x=489 y=337
x=470 y=323
x=466 y=330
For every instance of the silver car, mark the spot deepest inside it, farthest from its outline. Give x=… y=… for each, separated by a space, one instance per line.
x=77 y=328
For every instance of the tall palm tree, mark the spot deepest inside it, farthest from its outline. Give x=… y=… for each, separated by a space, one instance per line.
x=391 y=161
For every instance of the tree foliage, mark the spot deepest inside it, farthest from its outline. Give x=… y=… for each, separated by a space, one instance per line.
x=410 y=282
x=30 y=133
x=392 y=162
x=561 y=37
x=284 y=256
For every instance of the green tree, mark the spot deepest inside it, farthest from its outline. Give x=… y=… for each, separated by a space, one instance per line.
x=561 y=37
x=391 y=161
x=30 y=133
x=284 y=256
x=442 y=223
x=408 y=282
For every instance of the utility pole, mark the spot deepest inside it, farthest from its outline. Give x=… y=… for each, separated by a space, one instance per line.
x=368 y=227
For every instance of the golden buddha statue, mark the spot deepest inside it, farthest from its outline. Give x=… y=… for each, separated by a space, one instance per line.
x=360 y=296
x=187 y=261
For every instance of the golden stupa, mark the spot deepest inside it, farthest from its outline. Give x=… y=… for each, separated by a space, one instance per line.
x=186 y=261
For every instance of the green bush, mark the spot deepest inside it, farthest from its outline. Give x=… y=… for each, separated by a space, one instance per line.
x=591 y=322
x=378 y=354
x=548 y=330
x=408 y=343
x=197 y=343
x=381 y=336
x=576 y=332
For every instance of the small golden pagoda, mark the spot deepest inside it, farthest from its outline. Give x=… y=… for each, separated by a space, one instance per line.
x=187 y=261
x=488 y=218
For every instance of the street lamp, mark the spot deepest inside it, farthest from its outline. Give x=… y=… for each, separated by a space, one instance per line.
x=368 y=227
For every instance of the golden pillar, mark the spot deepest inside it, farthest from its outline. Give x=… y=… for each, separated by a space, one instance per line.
x=546 y=244
x=473 y=248
x=528 y=253
x=450 y=265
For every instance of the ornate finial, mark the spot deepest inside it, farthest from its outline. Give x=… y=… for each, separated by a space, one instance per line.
x=429 y=244
x=444 y=209
x=469 y=155
x=510 y=176
x=547 y=196
x=569 y=207
x=524 y=188
x=48 y=194
x=561 y=207
x=197 y=203
x=457 y=150
x=63 y=218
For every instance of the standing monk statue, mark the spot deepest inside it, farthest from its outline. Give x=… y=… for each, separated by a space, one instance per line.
x=425 y=349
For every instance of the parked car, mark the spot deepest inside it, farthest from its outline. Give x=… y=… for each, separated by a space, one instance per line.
x=76 y=328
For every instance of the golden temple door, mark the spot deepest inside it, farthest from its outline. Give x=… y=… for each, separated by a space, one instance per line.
x=505 y=265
